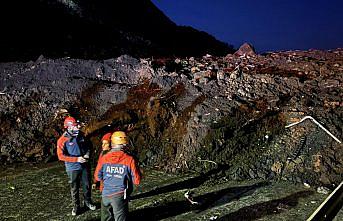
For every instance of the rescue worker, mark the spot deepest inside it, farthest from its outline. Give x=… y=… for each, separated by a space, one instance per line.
x=71 y=149
x=118 y=171
x=105 y=148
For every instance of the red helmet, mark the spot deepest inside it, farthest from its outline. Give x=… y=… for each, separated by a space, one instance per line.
x=107 y=137
x=69 y=121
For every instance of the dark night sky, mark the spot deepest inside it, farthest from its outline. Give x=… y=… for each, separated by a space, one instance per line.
x=270 y=25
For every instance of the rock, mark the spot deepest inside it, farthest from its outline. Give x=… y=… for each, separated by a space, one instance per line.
x=323 y=190
x=307 y=185
x=277 y=167
x=246 y=50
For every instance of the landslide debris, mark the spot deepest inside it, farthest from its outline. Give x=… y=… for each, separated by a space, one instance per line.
x=227 y=113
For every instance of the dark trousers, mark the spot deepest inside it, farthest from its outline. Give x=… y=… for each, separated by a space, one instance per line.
x=118 y=204
x=77 y=177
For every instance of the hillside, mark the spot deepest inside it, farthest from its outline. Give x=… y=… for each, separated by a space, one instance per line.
x=96 y=30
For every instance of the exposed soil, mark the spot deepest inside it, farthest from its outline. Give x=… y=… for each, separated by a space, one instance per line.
x=215 y=124
x=189 y=114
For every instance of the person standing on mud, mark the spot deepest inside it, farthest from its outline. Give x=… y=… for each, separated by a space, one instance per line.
x=71 y=149
x=105 y=148
x=118 y=171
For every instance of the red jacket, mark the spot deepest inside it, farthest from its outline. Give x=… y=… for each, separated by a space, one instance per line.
x=95 y=181
x=69 y=148
x=117 y=170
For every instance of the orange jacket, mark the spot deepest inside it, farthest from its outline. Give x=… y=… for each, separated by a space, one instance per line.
x=94 y=180
x=115 y=169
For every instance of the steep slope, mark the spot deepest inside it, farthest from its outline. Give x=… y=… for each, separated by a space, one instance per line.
x=96 y=29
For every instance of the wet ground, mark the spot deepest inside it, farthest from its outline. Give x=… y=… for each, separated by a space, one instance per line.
x=40 y=192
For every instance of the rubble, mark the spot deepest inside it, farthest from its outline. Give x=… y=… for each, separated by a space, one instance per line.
x=323 y=190
x=228 y=111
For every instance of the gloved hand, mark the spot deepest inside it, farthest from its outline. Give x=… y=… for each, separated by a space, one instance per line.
x=81 y=160
x=86 y=156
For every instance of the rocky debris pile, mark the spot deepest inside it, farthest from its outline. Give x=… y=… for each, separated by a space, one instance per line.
x=225 y=113
x=34 y=95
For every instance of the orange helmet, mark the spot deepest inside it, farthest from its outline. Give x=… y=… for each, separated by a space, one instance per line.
x=69 y=121
x=107 y=137
x=119 y=137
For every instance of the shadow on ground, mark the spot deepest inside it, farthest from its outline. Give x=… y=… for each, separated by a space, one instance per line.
x=206 y=201
x=260 y=210
x=186 y=184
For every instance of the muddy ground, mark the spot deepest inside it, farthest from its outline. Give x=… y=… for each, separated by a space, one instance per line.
x=40 y=192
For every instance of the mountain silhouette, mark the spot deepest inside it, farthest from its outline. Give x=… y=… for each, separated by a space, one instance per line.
x=96 y=29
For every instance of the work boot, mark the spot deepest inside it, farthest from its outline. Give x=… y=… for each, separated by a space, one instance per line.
x=75 y=211
x=90 y=205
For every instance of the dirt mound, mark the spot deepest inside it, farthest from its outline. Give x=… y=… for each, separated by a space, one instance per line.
x=189 y=114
